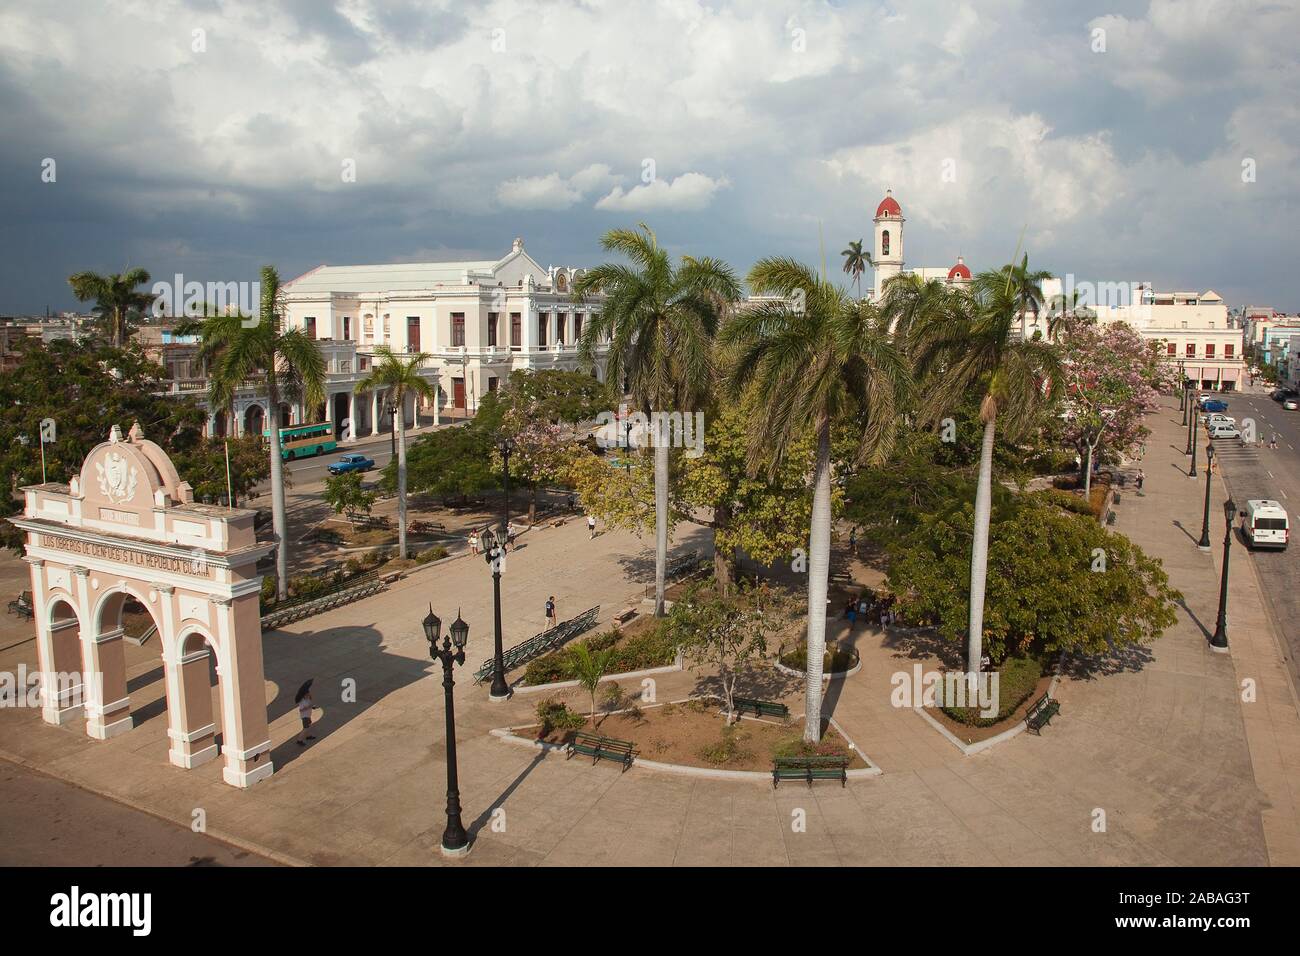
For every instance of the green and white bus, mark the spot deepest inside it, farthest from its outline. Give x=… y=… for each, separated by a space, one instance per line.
x=305 y=441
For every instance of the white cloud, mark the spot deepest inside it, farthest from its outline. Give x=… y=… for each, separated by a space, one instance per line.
x=688 y=192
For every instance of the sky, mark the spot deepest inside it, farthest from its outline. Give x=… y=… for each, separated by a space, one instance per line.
x=1149 y=140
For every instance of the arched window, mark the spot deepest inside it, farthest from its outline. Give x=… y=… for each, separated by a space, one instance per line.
x=884 y=243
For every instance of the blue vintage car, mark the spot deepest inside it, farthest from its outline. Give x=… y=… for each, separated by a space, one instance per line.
x=351 y=463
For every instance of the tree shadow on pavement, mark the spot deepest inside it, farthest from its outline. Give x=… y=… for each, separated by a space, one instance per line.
x=1128 y=659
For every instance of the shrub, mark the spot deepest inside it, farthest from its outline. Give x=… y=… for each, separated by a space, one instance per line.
x=1071 y=503
x=267 y=595
x=436 y=553
x=555 y=715
x=1018 y=676
x=308 y=586
x=835 y=660
x=726 y=749
x=651 y=648
x=798 y=747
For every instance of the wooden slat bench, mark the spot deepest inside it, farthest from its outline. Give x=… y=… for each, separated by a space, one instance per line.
x=602 y=748
x=1041 y=713
x=539 y=644
x=810 y=769
x=762 y=708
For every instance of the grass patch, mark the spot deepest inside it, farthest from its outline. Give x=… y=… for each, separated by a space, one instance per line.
x=1018 y=676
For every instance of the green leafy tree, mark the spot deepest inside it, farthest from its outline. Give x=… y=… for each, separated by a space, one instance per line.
x=117 y=299
x=729 y=633
x=660 y=322
x=815 y=357
x=763 y=514
x=204 y=466
x=400 y=377
x=1058 y=581
x=450 y=463
x=287 y=365
x=554 y=396
x=345 y=493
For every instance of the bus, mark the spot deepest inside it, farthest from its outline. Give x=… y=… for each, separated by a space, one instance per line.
x=304 y=441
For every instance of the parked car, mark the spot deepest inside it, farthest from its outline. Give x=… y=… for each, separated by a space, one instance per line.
x=1290 y=405
x=1215 y=405
x=351 y=463
x=1264 y=524
x=1223 y=430
x=1214 y=418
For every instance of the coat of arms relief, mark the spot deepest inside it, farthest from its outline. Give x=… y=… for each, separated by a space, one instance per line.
x=117 y=477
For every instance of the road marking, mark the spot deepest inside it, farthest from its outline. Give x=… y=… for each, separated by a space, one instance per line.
x=1270 y=474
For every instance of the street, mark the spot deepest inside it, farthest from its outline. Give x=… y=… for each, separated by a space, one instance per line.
x=1256 y=471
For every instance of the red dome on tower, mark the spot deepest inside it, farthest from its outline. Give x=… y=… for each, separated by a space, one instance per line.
x=889 y=206
x=959 y=271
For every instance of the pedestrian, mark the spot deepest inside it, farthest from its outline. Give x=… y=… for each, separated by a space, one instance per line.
x=591 y=525
x=305 y=707
x=473 y=542
x=550 y=612
x=853 y=540
x=1272 y=442
x=1141 y=477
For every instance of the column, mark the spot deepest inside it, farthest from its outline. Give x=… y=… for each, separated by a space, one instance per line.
x=329 y=407
x=374 y=413
x=246 y=735
x=352 y=414
x=437 y=419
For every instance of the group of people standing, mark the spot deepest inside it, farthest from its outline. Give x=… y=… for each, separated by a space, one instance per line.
x=869 y=606
x=476 y=537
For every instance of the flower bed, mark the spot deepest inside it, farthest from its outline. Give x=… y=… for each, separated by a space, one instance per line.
x=641 y=645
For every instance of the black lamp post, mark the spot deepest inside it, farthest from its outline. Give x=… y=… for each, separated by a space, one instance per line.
x=1189 y=418
x=392 y=426
x=1192 y=473
x=1219 y=642
x=1204 y=543
x=506 y=446
x=494 y=553
x=455 y=841
x=627 y=442
x=1182 y=399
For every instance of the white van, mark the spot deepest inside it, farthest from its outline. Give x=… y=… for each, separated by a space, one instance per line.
x=1224 y=430
x=1264 y=524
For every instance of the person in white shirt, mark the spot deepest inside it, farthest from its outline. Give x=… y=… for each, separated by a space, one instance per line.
x=305 y=707
x=591 y=524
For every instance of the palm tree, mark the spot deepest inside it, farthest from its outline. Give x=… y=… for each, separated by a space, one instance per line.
x=660 y=322
x=978 y=345
x=116 y=299
x=588 y=668
x=401 y=377
x=826 y=361
x=856 y=262
x=287 y=363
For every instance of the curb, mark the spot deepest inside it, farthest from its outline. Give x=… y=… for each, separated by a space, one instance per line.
x=981 y=745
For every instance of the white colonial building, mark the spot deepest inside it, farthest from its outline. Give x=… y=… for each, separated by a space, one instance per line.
x=477 y=321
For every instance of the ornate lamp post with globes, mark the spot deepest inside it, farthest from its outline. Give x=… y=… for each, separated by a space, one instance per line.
x=494 y=552
x=1219 y=642
x=1204 y=543
x=455 y=841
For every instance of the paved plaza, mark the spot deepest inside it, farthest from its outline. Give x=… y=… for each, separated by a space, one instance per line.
x=1159 y=738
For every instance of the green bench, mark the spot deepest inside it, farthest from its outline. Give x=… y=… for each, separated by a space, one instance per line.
x=607 y=748
x=1041 y=713
x=762 y=708
x=810 y=769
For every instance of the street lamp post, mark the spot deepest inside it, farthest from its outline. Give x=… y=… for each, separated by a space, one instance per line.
x=455 y=841
x=1204 y=543
x=1182 y=399
x=392 y=426
x=494 y=551
x=506 y=446
x=627 y=443
x=1192 y=473
x=1219 y=642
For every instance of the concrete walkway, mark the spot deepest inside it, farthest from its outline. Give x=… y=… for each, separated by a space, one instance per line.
x=1157 y=739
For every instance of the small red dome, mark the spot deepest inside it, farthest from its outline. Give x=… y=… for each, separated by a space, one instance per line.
x=889 y=206
x=959 y=271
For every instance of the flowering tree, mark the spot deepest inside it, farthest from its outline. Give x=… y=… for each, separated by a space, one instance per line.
x=542 y=455
x=1112 y=382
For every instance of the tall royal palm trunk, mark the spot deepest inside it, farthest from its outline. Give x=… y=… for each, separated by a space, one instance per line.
x=278 y=521
x=661 y=521
x=979 y=556
x=401 y=475
x=819 y=563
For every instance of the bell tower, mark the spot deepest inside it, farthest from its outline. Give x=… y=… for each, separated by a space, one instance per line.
x=887 y=252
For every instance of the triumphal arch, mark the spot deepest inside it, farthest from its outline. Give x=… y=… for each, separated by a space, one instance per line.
x=126 y=531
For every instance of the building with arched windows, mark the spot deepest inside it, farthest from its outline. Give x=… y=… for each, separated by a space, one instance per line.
x=887 y=252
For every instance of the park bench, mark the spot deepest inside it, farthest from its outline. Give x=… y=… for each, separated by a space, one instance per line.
x=326 y=536
x=602 y=748
x=22 y=606
x=371 y=523
x=680 y=565
x=625 y=615
x=762 y=708
x=810 y=769
x=427 y=527
x=1041 y=713
x=539 y=644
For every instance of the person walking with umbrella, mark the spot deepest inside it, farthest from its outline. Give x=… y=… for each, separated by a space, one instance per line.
x=305 y=707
